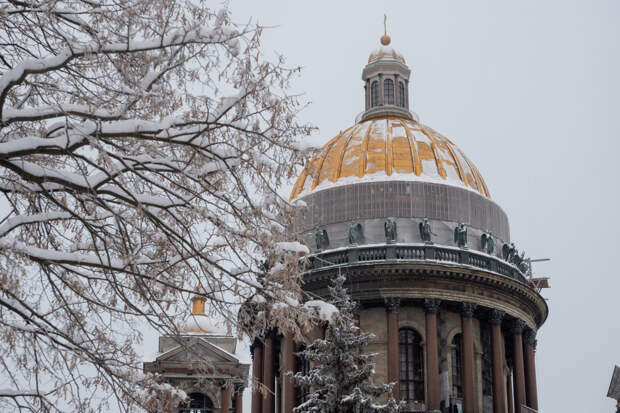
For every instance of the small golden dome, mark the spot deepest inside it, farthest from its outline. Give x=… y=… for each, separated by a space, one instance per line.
x=198 y=321
x=385 y=52
x=389 y=148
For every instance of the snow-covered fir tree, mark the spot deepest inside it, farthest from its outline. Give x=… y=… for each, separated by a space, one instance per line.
x=339 y=376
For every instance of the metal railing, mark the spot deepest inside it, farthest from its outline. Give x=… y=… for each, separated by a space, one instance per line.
x=414 y=253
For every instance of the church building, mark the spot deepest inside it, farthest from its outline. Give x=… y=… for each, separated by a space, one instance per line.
x=401 y=211
x=201 y=361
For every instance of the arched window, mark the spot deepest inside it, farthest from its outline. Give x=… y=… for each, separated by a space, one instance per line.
x=457 y=372
x=198 y=403
x=388 y=92
x=374 y=94
x=401 y=94
x=411 y=365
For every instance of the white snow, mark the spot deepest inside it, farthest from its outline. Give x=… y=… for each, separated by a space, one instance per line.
x=325 y=310
x=294 y=247
x=203 y=323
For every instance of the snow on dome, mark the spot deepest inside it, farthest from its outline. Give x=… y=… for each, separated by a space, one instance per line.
x=201 y=323
x=198 y=321
x=387 y=149
x=385 y=52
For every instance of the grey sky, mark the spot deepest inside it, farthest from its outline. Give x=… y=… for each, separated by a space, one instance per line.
x=530 y=91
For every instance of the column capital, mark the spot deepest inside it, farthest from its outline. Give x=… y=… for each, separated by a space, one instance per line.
x=392 y=304
x=518 y=326
x=467 y=309
x=530 y=337
x=496 y=316
x=431 y=305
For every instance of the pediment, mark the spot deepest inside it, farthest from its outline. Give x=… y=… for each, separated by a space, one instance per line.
x=198 y=350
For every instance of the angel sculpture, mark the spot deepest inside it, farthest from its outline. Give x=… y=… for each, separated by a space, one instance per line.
x=356 y=234
x=390 y=230
x=517 y=260
x=508 y=251
x=460 y=235
x=486 y=243
x=321 y=239
x=425 y=231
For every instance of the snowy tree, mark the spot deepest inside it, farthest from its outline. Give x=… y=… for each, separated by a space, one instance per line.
x=141 y=145
x=339 y=377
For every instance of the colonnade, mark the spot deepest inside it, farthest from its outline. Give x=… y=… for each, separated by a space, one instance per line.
x=522 y=387
x=226 y=398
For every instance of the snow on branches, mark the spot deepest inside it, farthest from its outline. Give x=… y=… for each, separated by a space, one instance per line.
x=141 y=142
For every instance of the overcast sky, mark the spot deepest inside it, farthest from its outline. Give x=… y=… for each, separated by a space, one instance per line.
x=529 y=90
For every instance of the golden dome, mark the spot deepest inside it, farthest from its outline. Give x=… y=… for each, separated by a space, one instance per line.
x=198 y=321
x=389 y=148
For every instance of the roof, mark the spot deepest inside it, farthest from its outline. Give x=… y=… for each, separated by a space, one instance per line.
x=389 y=148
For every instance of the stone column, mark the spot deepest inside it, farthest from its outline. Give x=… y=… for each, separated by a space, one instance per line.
x=519 y=373
x=407 y=93
x=467 y=313
x=257 y=376
x=499 y=390
x=530 y=370
x=356 y=314
x=288 y=361
x=380 y=80
x=239 y=399
x=268 y=375
x=431 y=307
x=396 y=90
x=225 y=395
x=509 y=392
x=392 y=306
x=367 y=94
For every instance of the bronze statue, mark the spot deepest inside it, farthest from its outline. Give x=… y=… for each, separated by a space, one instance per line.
x=356 y=234
x=486 y=243
x=508 y=251
x=390 y=230
x=460 y=235
x=321 y=239
x=425 y=231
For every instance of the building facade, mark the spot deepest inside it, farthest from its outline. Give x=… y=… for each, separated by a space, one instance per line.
x=400 y=209
x=201 y=361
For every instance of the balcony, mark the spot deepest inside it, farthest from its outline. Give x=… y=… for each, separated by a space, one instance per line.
x=414 y=253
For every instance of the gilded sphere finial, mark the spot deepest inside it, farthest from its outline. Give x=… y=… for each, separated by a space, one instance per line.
x=385 y=39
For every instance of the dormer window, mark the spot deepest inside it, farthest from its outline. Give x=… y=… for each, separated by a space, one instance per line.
x=374 y=94
x=388 y=91
x=401 y=94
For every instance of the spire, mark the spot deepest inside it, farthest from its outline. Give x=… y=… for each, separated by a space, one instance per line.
x=385 y=39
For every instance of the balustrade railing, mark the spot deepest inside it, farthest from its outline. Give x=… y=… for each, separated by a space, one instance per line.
x=373 y=253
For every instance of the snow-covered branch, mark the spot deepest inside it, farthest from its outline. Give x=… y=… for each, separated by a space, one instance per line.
x=141 y=146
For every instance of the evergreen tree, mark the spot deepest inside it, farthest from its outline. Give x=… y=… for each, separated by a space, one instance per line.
x=339 y=375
